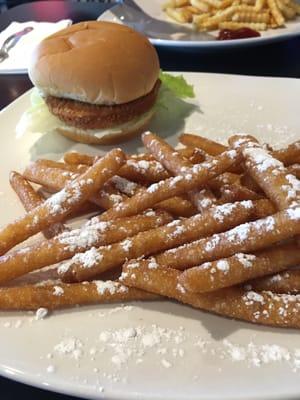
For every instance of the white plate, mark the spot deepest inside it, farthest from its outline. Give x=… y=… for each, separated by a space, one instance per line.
x=154 y=9
x=191 y=341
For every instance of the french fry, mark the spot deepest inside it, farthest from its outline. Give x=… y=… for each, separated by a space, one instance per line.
x=257 y=26
x=198 y=176
x=54 y=179
x=199 y=19
x=269 y=173
x=179 y=14
x=288 y=12
x=92 y=263
x=284 y=282
x=259 y=5
x=239 y=268
x=264 y=308
x=251 y=16
x=275 y=11
x=219 y=4
x=93 y=233
x=192 y=9
x=56 y=296
x=245 y=238
x=201 y=5
x=175 y=3
x=58 y=206
x=30 y=199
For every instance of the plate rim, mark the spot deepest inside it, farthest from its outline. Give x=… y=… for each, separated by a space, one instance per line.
x=34 y=381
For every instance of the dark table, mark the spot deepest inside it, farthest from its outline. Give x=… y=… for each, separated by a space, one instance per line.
x=277 y=59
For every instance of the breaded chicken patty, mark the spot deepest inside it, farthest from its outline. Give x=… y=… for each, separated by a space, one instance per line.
x=91 y=116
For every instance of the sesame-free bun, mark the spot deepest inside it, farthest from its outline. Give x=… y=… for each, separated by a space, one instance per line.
x=95 y=62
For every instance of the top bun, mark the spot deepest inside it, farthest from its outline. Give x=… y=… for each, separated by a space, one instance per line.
x=95 y=62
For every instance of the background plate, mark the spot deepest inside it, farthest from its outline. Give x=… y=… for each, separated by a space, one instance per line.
x=154 y=9
x=174 y=352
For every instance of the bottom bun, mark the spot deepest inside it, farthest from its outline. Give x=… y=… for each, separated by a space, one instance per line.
x=122 y=134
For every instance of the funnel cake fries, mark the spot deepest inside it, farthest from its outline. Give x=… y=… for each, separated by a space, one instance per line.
x=58 y=206
x=55 y=179
x=177 y=165
x=61 y=295
x=198 y=176
x=235 y=302
x=240 y=268
x=94 y=233
x=30 y=199
x=236 y=257
x=284 y=282
x=248 y=237
x=95 y=261
x=288 y=156
x=269 y=173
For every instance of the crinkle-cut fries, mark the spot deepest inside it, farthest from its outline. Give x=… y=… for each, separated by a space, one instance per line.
x=208 y=15
x=211 y=225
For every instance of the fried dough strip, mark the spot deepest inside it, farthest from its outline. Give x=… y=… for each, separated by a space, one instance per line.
x=58 y=206
x=66 y=245
x=56 y=296
x=269 y=173
x=87 y=265
x=199 y=175
x=240 y=268
x=264 y=308
x=284 y=282
x=30 y=199
x=245 y=238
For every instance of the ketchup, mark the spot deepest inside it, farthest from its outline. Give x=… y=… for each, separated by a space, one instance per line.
x=242 y=33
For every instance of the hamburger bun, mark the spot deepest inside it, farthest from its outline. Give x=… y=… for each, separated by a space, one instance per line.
x=95 y=62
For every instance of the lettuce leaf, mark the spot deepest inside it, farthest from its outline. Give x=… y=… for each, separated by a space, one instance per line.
x=177 y=85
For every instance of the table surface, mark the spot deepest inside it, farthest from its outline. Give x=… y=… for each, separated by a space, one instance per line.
x=277 y=59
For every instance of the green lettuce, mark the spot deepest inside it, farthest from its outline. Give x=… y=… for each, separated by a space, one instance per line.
x=177 y=85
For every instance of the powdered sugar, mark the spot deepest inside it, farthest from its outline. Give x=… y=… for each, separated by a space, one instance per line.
x=222 y=265
x=126 y=244
x=246 y=259
x=124 y=185
x=58 y=291
x=71 y=347
x=262 y=160
x=41 y=313
x=252 y=296
x=88 y=259
x=110 y=287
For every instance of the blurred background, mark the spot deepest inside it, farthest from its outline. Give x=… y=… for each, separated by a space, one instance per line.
x=5 y=4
